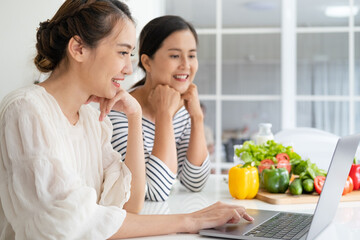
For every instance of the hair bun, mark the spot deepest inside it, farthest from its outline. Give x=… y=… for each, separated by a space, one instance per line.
x=42 y=37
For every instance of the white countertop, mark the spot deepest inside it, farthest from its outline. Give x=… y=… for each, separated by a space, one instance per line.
x=346 y=224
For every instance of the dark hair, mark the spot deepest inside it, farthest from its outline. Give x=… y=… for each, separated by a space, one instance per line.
x=91 y=20
x=155 y=32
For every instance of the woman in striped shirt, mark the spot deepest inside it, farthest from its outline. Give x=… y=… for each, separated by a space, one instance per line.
x=173 y=128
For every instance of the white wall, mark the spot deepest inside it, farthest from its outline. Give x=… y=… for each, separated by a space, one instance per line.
x=143 y=11
x=18 y=23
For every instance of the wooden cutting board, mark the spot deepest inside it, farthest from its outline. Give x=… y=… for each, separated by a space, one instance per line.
x=287 y=198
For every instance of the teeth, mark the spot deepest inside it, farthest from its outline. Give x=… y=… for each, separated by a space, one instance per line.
x=116 y=81
x=181 y=76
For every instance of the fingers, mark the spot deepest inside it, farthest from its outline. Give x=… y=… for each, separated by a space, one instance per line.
x=247 y=217
x=216 y=215
x=92 y=98
x=190 y=92
x=235 y=216
x=165 y=98
x=238 y=212
x=107 y=104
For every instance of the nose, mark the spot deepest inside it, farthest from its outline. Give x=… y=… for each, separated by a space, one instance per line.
x=128 y=69
x=185 y=63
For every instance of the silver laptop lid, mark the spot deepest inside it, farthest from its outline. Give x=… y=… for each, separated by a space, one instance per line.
x=334 y=184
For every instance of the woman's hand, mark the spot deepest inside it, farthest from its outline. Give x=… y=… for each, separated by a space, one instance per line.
x=165 y=99
x=123 y=100
x=216 y=215
x=191 y=101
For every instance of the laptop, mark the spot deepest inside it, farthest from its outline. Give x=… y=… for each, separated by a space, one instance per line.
x=286 y=225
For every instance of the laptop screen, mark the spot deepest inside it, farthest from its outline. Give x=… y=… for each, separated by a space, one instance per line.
x=334 y=184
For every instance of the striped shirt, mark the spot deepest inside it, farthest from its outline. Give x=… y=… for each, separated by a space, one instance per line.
x=159 y=178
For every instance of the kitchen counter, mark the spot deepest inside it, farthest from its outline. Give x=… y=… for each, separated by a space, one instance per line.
x=346 y=224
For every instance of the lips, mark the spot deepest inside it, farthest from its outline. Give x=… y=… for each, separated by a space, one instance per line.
x=181 y=77
x=116 y=82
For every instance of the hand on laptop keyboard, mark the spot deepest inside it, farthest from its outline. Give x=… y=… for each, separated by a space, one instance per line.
x=216 y=215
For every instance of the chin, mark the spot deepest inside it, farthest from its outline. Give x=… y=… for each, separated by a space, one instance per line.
x=109 y=94
x=181 y=87
x=182 y=90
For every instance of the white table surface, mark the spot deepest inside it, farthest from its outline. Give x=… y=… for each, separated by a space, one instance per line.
x=345 y=226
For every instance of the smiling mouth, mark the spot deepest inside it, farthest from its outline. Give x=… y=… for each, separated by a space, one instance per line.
x=181 y=77
x=116 y=81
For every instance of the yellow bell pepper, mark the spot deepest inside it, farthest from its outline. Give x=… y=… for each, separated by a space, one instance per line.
x=243 y=182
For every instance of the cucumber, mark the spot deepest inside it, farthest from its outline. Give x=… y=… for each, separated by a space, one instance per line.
x=295 y=187
x=308 y=185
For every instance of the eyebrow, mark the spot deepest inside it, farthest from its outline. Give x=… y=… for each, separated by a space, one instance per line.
x=125 y=45
x=178 y=49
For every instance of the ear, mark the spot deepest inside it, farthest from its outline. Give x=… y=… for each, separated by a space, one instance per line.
x=145 y=60
x=76 y=48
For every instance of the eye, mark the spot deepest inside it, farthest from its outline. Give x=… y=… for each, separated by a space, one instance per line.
x=192 y=56
x=124 y=53
x=132 y=54
x=174 y=56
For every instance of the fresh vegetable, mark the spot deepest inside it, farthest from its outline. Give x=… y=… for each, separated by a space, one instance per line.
x=275 y=180
x=243 y=181
x=355 y=174
x=349 y=186
x=301 y=167
x=319 y=183
x=282 y=156
x=265 y=164
x=308 y=185
x=306 y=169
x=273 y=154
x=283 y=163
x=250 y=152
x=295 y=187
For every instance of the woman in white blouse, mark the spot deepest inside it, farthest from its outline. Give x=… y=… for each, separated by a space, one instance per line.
x=59 y=176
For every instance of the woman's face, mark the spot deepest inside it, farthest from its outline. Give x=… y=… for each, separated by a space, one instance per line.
x=110 y=61
x=175 y=62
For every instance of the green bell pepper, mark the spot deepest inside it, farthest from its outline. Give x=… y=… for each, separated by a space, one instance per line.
x=276 y=180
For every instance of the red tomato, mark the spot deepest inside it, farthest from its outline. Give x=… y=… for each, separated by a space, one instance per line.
x=265 y=164
x=284 y=164
x=282 y=156
x=349 y=186
x=319 y=183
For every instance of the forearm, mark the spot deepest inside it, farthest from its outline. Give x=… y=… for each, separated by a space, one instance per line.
x=164 y=144
x=150 y=225
x=197 y=150
x=135 y=161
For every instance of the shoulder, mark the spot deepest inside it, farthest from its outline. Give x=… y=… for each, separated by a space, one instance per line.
x=30 y=99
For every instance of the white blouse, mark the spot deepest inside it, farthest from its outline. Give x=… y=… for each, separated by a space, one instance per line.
x=57 y=180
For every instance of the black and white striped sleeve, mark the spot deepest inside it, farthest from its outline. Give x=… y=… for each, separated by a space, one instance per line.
x=191 y=176
x=120 y=131
x=159 y=178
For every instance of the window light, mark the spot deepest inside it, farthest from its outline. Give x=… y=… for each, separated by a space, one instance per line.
x=340 y=11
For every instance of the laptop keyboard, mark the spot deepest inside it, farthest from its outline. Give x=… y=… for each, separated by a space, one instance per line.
x=283 y=226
